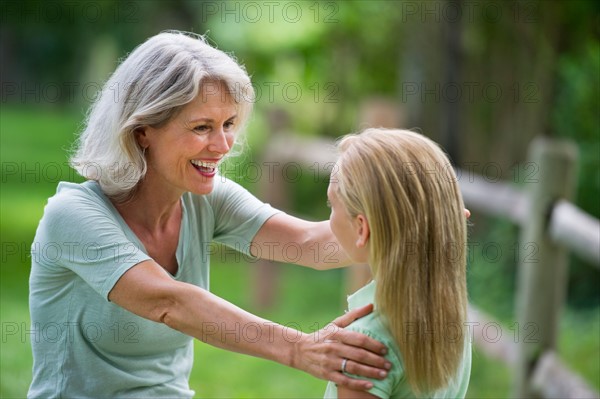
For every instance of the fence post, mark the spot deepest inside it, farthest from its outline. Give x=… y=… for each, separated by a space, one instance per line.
x=542 y=273
x=272 y=189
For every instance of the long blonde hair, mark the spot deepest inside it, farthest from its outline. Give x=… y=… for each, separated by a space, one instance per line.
x=405 y=186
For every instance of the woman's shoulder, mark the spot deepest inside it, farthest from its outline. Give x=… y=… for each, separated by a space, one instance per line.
x=75 y=206
x=75 y=198
x=68 y=192
x=225 y=195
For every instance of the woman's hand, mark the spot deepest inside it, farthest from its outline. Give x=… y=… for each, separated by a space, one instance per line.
x=323 y=352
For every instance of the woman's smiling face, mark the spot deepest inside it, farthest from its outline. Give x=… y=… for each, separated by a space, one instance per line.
x=184 y=153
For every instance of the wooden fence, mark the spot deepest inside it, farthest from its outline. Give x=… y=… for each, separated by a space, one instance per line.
x=548 y=221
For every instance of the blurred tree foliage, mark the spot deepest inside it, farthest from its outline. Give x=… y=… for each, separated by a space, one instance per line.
x=575 y=116
x=481 y=77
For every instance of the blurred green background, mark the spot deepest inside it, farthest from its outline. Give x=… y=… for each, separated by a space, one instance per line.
x=480 y=77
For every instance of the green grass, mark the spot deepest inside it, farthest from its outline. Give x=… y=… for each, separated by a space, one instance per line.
x=305 y=297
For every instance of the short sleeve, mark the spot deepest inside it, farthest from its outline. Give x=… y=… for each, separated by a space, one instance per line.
x=238 y=214
x=386 y=387
x=80 y=233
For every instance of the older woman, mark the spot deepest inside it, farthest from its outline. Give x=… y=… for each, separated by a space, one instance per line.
x=125 y=287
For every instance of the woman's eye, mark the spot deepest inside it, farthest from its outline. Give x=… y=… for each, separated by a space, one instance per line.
x=201 y=129
x=229 y=124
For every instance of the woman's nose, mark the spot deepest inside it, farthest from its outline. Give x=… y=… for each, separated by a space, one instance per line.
x=220 y=141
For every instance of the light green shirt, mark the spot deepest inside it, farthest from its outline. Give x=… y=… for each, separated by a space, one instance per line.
x=83 y=344
x=395 y=385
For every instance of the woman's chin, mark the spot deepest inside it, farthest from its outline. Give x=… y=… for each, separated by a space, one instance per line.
x=203 y=188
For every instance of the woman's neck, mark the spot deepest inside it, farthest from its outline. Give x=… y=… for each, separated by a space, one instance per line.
x=151 y=208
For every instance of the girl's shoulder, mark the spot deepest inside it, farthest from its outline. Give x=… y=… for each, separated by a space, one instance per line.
x=373 y=325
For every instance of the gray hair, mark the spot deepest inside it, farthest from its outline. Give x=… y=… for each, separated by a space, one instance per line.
x=147 y=89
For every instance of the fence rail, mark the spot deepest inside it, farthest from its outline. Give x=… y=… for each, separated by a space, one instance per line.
x=568 y=225
x=576 y=229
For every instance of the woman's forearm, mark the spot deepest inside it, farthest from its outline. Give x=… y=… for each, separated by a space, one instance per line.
x=205 y=316
x=222 y=324
x=148 y=291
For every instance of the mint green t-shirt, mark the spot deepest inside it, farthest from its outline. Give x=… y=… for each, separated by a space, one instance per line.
x=83 y=344
x=395 y=385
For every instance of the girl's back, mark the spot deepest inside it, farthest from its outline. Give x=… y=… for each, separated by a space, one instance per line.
x=395 y=384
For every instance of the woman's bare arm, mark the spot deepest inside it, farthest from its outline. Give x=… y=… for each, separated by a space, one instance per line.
x=285 y=238
x=148 y=291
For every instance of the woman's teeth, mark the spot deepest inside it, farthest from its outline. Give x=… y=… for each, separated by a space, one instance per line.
x=204 y=166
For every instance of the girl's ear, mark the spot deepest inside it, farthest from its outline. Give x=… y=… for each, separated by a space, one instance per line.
x=362 y=225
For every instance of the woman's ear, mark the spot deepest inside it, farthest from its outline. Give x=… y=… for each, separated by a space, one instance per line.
x=362 y=225
x=141 y=136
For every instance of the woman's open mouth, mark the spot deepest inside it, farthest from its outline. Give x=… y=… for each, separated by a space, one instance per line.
x=207 y=169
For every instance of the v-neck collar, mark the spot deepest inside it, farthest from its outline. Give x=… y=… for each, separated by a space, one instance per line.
x=183 y=227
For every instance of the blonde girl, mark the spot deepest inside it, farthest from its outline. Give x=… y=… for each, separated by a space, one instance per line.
x=396 y=205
